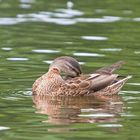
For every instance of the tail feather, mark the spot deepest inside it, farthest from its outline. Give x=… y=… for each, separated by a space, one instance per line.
x=121 y=82
x=113 y=89
x=111 y=68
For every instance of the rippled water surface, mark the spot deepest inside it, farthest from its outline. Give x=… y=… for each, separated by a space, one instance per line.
x=96 y=33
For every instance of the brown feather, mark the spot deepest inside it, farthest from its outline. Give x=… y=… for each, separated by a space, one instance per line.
x=110 y=69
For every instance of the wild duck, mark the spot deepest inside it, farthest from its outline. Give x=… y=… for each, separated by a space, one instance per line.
x=101 y=82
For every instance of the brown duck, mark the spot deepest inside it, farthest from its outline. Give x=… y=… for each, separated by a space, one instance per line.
x=101 y=82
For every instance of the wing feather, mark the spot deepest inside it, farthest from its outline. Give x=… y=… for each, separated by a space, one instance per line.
x=110 y=69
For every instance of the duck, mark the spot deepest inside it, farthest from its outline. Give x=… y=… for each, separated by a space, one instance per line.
x=65 y=78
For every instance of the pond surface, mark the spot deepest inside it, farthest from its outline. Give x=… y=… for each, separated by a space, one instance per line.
x=97 y=33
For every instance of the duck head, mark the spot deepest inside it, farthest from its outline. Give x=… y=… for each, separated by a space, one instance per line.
x=68 y=65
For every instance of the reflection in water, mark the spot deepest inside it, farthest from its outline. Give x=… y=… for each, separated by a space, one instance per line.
x=94 y=38
x=6 y=49
x=61 y=16
x=67 y=18
x=4 y=128
x=45 y=51
x=111 y=49
x=18 y=59
x=88 y=54
x=67 y=110
x=27 y=1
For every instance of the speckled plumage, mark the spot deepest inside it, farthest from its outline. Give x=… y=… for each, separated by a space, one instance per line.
x=102 y=82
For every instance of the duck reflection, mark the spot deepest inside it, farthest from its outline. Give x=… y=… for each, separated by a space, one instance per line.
x=67 y=110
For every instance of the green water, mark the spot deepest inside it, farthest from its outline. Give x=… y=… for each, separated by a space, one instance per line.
x=96 y=33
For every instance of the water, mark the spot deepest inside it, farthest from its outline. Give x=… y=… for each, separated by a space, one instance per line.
x=96 y=33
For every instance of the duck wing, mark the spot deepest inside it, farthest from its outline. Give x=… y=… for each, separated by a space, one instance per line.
x=86 y=84
x=101 y=81
x=111 y=68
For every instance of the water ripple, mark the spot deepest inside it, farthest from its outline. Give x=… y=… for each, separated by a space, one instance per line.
x=89 y=54
x=48 y=61
x=99 y=10
x=127 y=115
x=127 y=98
x=136 y=19
x=11 y=21
x=25 y=6
x=137 y=52
x=131 y=92
x=60 y=16
x=90 y=110
x=27 y=1
x=4 y=128
x=111 y=49
x=104 y=19
x=12 y=98
x=45 y=51
x=110 y=125
x=135 y=84
x=94 y=38
x=6 y=49
x=68 y=12
x=17 y=59
x=97 y=115
x=127 y=11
